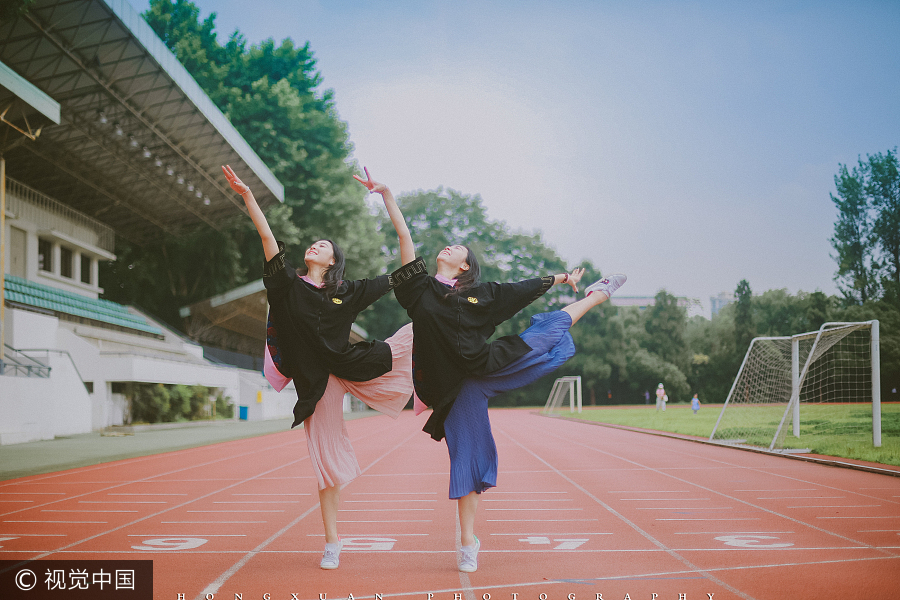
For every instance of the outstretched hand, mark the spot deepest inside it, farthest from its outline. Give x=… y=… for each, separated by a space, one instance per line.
x=575 y=277
x=236 y=184
x=370 y=184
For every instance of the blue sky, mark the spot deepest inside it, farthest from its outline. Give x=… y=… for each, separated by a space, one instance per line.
x=687 y=144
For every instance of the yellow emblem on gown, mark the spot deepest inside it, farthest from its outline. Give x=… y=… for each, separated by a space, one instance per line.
x=473 y=299
x=337 y=300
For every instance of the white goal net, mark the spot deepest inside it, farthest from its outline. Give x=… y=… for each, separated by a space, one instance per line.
x=822 y=384
x=564 y=388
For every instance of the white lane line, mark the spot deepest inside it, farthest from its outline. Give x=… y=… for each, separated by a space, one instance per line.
x=550 y=508
x=267 y=494
x=684 y=508
x=58 y=510
x=209 y=522
x=646 y=535
x=383 y=501
x=783 y=490
x=494 y=492
x=868 y=531
x=382 y=509
x=146 y=494
x=390 y=521
x=658 y=499
x=839 y=506
x=535 y=500
x=186 y=535
x=214 y=587
x=235 y=511
x=358 y=535
x=252 y=501
x=746 y=519
x=147 y=480
x=122 y=502
x=736 y=498
x=394 y=493
x=883 y=517
x=626 y=577
x=539 y=520
x=802 y=498
x=553 y=534
x=652 y=492
x=728 y=532
x=78 y=522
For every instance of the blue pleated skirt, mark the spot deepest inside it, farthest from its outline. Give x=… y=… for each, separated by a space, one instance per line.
x=473 y=453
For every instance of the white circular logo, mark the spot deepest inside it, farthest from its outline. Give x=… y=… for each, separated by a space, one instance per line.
x=21 y=582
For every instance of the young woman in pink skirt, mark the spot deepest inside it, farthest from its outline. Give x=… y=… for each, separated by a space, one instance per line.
x=308 y=341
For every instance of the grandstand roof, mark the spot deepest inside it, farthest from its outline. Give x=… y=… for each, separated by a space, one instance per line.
x=139 y=145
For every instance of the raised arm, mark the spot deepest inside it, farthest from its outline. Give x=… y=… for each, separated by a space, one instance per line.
x=571 y=278
x=407 y=248
x=270 y=246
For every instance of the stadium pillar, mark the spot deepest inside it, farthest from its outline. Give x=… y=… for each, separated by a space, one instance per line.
x=2 y=256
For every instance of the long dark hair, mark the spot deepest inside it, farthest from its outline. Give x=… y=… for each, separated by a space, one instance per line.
x=333 y=274
x=468 y=279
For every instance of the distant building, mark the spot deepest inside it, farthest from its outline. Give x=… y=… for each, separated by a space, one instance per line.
x=719 y=302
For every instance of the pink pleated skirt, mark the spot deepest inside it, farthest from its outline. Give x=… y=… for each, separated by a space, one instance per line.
x=330 y=451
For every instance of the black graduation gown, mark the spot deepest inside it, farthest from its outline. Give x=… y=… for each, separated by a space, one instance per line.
x=450 y=333
x=313 y=331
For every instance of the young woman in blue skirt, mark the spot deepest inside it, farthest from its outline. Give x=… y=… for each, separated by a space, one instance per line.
x=456 y=370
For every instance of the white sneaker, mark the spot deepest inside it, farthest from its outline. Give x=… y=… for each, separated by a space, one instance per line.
x=332 y=557
x=467 y=557
x=607 y=285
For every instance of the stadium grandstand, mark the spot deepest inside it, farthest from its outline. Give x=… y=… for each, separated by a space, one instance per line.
x=105 y=135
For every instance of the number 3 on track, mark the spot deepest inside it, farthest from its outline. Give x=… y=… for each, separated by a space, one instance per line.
x=169 y=544
x=750 y=541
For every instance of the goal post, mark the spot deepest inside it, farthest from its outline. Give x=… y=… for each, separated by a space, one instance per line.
x=831 y=373
x=564 y=387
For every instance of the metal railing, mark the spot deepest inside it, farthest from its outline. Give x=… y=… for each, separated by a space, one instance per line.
x=15 y=363
x=31 y=205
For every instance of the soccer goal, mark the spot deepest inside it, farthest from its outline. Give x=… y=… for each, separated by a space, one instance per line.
x=821 y=383
x=564 y=387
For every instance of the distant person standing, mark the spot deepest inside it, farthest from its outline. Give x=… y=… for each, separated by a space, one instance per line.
x=695 y=404
x=660 y=394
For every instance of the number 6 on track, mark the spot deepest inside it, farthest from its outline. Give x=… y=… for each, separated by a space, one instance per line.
x=169 y=544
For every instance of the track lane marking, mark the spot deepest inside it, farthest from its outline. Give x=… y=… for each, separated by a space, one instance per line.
x=633 y=525
x=723 y=494
x=214 y=587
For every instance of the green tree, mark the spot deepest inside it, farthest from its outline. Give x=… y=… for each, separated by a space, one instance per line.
x=817 y=309
x=744 y=330
x=883 y=187
x=10 y=9
x=665 y=325
x=853 y=236
x=270 y=94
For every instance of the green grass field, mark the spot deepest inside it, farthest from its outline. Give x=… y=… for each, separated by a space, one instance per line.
x=828 y=430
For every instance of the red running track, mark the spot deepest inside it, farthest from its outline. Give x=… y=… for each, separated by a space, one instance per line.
x=580 y=511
